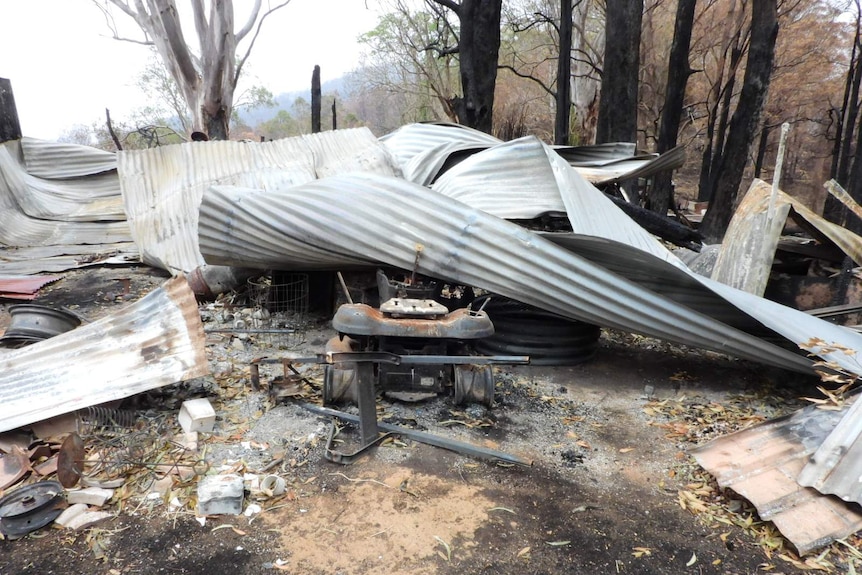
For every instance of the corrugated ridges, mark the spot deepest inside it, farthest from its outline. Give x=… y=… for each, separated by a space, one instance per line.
x=57 y=160
x=162 y=187
x=90 y=199
x=154 y=342
x=375 y=218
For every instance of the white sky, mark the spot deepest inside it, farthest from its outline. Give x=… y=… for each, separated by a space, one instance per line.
x=65 y=69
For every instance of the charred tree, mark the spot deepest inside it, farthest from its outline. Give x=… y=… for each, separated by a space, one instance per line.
x=848 y=115
x=679 y=69
x=618 y=106
x=315 y=100
x=10 y=127
x=563 y=94
x=745 y=120
x=478 y=50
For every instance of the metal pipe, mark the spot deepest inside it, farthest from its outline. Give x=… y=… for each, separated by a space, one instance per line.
x=427 y=438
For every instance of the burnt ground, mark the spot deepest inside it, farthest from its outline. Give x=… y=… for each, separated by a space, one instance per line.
x=607 y=439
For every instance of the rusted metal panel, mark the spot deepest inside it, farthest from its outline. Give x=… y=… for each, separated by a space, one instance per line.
x=762 y=463
x=366 y=218
x=23 y=287
x=162 y=187
x=156 y=341
x=362 y=319
x=57 y=160
x=49 y=259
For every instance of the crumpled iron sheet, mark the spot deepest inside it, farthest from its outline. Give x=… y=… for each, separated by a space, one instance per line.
x=514 y=180
x=23 y=287
x=598 y=154
x=56 y=160
x=153 y=342
x=86 y=199
x=836 y=467
x=491 y=181
x=417 y=139
x=17 y=229
x=740 y=265
x=373 y=218
x=49 y=259
x=761 y=463
x=639 y=167
x=162 y=187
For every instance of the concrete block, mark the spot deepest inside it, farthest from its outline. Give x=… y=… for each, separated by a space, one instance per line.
x=70 y=513
x=220 y=495
x=90 y=496
x=87 y=518
x=197 y=415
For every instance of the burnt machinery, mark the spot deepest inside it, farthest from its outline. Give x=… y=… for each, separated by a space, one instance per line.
x=413 y=319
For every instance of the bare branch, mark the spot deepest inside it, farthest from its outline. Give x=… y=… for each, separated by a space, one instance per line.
x=456 y=8
x=245 y=56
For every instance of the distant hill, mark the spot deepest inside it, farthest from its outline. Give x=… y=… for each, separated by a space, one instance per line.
x=286 y=100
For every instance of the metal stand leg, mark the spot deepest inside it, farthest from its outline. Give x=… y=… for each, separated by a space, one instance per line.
x=367 y=402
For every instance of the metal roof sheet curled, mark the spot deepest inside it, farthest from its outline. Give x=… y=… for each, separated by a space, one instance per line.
x=153 y=342
x=373 y=218
x=162 y=187
x=87 y=199
x=58 y=160
x=414 y=139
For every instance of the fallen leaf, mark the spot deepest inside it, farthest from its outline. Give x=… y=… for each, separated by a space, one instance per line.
x=524 y=552
x=557 y=543
x=692 y=561
x=641 y=551
x=626 y=449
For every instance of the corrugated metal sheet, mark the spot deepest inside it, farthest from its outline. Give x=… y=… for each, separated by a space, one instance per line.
x=598 y=154
x=90 y=199
x=23 y=287
x=47 y=259
x=836 y=466
x=17 y=229
x=413 y=139
x=56 y=160
x=513 y=180
x=162 y=187
x=761 y=464
x=154 y=342
x=745 y=256
x=426 y=166
x=371 y=218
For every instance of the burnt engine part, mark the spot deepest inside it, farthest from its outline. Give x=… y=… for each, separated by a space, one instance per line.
x=549 y=339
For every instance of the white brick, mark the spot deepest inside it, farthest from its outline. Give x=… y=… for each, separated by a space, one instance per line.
x=197 y=415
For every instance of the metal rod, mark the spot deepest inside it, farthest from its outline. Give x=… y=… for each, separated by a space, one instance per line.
x=428 y=438
x=344 y=287
x=266 y=330
x=395 y=359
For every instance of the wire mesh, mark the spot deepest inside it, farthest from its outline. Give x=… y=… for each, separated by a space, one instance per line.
x=281 y=309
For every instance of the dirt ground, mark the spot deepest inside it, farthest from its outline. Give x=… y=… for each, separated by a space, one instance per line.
x=602 y=494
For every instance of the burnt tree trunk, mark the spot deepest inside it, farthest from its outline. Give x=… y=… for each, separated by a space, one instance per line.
x=564 y=73
x=334 y=116
x=761 y=150
x=618 y=106
x=833 y=209
x=661 y=194
x=745 y=120
x=315 y=100
x=478 y=52
x=10 y=127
